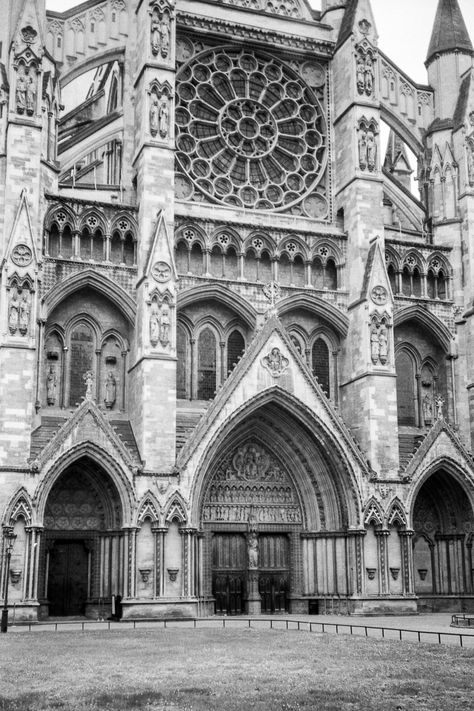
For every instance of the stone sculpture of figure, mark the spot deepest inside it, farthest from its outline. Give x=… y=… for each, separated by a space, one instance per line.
x=51 y=383
x=363 y=150
x=154 y=324
x=369 y=76
x=164 y=118
x=165 y=325
x=371 y=150
x=154 y=111
x=427 y=409
x=383 y=344
x=20 y=93
x=439 y=402
x=110 y=390
x=470 y=162
x=88 y=378
x=374 y=344
x=30 y=96
x=155 y=34
x=252 y=547
x=360 y=72
x=165 y=32
x=24 y=318
x=14 y=312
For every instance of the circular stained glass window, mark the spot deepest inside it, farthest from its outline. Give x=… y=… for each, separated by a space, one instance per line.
x=249 y=131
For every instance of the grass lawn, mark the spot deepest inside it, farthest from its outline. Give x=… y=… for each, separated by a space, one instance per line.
x=223 y=670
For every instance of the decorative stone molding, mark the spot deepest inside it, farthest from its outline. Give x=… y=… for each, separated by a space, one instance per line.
x=276 y=363
x=173 y=574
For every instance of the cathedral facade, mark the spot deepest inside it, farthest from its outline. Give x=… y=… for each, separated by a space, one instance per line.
x=236 y=370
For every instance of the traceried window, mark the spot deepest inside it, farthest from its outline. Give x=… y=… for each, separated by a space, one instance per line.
x=235 y=348
x=207 y=362
x=250 y=132
x=320 y=363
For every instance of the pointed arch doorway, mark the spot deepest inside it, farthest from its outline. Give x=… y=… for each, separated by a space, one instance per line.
x=83 y=546
x=252 y=518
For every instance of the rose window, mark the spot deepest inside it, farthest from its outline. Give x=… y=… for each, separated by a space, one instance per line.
x=249 y=132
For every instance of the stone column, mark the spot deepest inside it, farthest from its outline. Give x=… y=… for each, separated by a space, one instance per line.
x=159 y=582
x=382 y=536
x=407 y=562
x=254 y=602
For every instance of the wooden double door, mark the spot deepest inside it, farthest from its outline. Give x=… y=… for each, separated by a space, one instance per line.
x=230 y=572
x=67 y=578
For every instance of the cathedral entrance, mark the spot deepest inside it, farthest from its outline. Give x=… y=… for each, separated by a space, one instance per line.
x=67 y=579
x=443 y=521
x=251 y=511
x=82 y=553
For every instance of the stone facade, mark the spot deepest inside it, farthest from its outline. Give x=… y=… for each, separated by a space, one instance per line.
x=236 y=366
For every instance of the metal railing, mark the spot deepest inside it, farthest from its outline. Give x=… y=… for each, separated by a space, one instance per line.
x=370 y=631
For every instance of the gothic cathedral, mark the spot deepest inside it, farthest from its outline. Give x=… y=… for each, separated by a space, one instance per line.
x=236 y=321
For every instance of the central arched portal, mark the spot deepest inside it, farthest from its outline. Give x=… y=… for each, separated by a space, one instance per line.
x=82 y=549
x=275 y=511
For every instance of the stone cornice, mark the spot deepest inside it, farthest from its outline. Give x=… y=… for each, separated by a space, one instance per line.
x=231 y=30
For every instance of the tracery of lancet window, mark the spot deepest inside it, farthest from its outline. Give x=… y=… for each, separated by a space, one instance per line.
x=436 y=281
x=206 y=355
x=392 y=277
x=411 y=277
x=324 y=274
x=207 y=365
x=249 y=132
x=182 y=257
x=196 y=257
x=92 y=244
x=251 y=265
x=67 y=247
x=320 y=361
x=407 y=401
x=81 y=360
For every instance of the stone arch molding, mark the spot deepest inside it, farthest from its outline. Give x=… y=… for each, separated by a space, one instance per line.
x=148 y=508
x=98 y=282
x=20 y=506
x=341 y=465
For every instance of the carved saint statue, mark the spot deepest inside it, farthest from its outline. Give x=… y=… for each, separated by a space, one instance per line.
x=360 y=73
x=363 y=150
x=165 y=33
x=164 y=118
x=383 y=344
x=154 y=112
x=369 y=76
x=439 y=402
x=470 y=161
x=252 y=547
x=30 y=95
x=154 y=323
x=155 y=34
x=13 y=312
x=51 y=383
x=165 y=325
x=371 y=151
x=110 y=390
x=88 y=378
x=24 y=318
x=427 y=409
x=20 y=93
x=374 y=344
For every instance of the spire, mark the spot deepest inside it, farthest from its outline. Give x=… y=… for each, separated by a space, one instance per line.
x=449 y=31
x=359 y=20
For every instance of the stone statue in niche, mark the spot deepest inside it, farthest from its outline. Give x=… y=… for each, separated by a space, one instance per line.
x=383 y=344
x=154 y=323
x=110 y=390
x=154 y=116
x=164 y=116
x=30 y=95
x=439 y=402
x=427 y=409
x=165 y=325
x=20 y=92
x=363 y=150
x=88 y=378
x=51 y=384
x=374 y=343
x=160 y=34
x=371 y=151
x=14 y=312
x=252 y=548
x=369 y=75
x=360 y=73
x=470 y=161
x=24 y=316
x=378 y=343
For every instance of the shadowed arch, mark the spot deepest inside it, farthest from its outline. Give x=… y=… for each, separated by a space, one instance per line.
x=219 y=293
x=326 y=480
x=430 y=322
x=319 y=307
x=98 y=457
x=98 y=282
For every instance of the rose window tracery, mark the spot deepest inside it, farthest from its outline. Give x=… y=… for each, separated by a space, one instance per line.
x=250 y=133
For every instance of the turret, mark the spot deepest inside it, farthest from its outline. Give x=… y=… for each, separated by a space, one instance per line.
x=450 y=54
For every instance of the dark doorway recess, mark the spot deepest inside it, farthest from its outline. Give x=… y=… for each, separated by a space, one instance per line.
x=67 y=582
